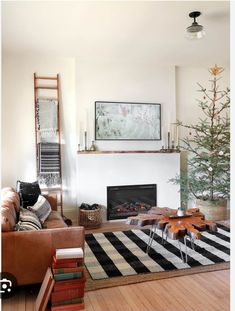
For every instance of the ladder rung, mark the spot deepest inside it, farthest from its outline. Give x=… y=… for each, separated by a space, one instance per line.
x=46 y=78
x=47 y=87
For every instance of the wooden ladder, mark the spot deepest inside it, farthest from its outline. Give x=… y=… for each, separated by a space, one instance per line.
x=38 y=85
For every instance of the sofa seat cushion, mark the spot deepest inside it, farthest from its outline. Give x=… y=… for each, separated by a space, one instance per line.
x=54 y=220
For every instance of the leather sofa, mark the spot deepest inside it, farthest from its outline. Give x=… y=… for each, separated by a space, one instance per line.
x=28 y=254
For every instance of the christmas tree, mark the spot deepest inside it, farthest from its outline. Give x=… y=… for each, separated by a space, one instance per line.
x=208 y=146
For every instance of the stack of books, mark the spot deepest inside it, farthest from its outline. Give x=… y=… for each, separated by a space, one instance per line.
x=68 y=273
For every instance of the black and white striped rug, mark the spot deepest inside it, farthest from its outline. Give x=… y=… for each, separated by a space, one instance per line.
x=122 y=253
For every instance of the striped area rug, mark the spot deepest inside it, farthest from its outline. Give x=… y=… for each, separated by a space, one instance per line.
x=122 y=253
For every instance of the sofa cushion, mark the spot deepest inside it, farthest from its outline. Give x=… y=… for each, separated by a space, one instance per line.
x=29 y=192
x=41 y=208
x=28 y=221
x=54 y=220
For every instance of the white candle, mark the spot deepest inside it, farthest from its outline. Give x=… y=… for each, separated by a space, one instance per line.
x=85 y=123
x=177 y=136
x=172 y=132
x=78 y=133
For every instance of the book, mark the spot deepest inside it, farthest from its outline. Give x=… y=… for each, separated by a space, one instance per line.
x=67 y=270
x=69 y=284
x=64 y=261
x=63 y=265
x=45 y=291
x=67 y=294
x=64 y=253
x=68 y=301
x=69 y=307
x=68 y=276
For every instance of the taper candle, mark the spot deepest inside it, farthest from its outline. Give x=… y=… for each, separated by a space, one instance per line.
x=177 y=136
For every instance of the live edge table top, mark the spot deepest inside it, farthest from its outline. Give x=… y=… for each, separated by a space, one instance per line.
x=174 y=226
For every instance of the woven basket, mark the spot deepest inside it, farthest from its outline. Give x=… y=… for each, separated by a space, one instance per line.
x=90 y=218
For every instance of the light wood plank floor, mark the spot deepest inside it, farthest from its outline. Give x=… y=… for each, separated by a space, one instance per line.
x=199 y=292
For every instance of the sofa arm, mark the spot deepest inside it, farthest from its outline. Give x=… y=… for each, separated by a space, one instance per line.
x=28 y=254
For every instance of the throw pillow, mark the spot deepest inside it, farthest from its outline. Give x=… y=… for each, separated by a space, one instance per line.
x=41 y=208
x=28 y=221
x=29 y=192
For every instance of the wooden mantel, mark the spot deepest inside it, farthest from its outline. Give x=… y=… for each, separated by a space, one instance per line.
x=128 y=151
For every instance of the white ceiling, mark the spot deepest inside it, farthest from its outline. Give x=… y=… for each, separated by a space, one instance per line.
x=131 y=31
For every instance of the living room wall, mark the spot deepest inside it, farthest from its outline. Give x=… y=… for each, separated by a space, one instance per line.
x=18 y=132
x=124 y=82
x=82 y=83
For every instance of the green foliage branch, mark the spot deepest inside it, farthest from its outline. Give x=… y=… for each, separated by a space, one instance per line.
x=208 y=146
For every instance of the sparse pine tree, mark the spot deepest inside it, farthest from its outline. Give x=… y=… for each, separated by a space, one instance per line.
x=208 y=146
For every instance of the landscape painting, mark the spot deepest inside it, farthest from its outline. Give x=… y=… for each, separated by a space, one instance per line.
x=127 y=121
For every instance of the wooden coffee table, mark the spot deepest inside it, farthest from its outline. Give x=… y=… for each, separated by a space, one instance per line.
x=173 y=226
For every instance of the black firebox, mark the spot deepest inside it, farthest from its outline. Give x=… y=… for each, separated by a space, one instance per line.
x=125 y=201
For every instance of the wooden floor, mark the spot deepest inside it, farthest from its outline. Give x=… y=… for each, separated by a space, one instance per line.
x=199 y=292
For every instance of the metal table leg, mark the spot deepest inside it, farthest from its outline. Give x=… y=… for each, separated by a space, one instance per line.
x=151 y=236
x=185 y=247
x=181 y=254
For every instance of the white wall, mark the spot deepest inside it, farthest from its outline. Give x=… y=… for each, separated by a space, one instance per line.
x=18 y=134
x=124 y=82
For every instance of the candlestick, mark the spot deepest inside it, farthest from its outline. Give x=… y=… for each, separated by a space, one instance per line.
x=168 y=140
x=85 y=138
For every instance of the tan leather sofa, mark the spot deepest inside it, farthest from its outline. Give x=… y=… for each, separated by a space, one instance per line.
x=28 y=254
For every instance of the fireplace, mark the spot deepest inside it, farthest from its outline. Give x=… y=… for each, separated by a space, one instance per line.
x=125 y=201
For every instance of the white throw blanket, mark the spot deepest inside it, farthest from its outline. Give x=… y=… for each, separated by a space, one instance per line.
x=47 y=120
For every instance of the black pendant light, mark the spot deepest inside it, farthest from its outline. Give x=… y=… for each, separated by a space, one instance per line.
x=195 y=31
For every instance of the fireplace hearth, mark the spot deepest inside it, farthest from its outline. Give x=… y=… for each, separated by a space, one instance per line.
x=126 y=201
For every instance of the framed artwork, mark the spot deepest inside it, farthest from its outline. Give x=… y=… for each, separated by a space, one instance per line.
x=127 y=121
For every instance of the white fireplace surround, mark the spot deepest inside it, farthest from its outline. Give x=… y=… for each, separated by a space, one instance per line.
x=97 y=171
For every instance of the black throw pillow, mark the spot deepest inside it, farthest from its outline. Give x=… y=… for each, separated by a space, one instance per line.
x=28 y=192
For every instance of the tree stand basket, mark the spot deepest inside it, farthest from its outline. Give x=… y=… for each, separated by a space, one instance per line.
x=90 y=218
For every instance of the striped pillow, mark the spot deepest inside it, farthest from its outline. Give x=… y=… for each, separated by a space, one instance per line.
x=28 y=221
x=41 y=208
